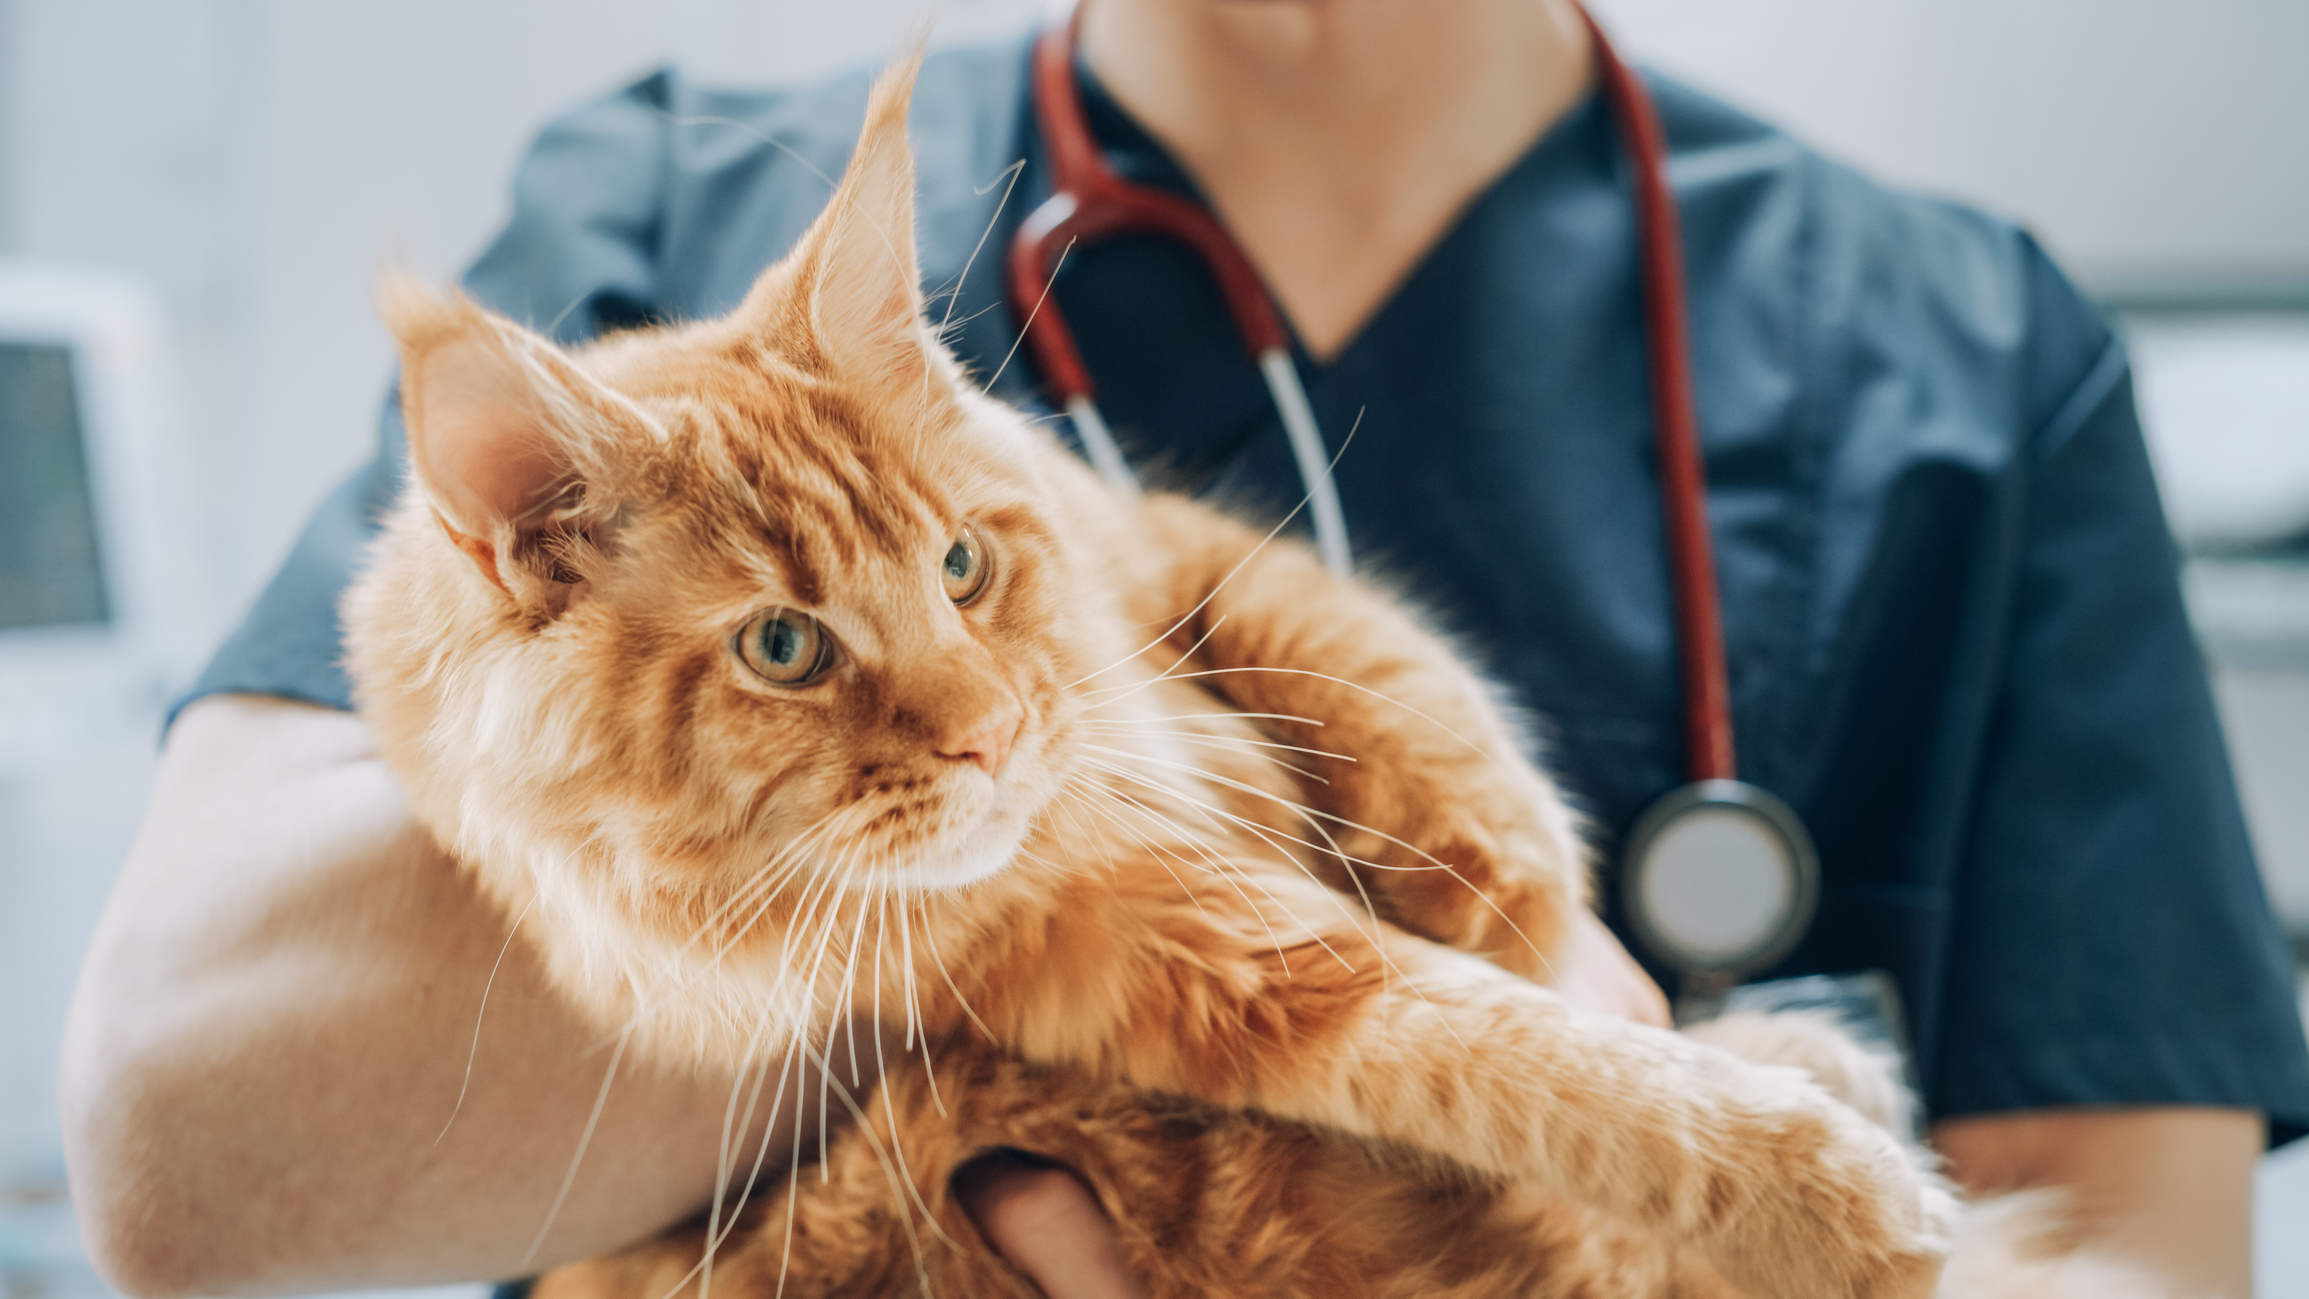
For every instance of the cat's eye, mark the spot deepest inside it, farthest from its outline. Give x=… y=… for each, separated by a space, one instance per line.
x=965 y=568
x=785 y=647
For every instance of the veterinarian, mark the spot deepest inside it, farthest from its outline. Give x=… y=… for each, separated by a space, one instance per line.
x=1955 y=641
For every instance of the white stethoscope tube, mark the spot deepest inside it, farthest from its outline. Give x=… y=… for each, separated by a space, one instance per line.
x=1314 y=461
x=1299 y=426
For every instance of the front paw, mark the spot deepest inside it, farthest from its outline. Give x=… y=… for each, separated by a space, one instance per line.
x=1833 y=1206
x=1487 y=861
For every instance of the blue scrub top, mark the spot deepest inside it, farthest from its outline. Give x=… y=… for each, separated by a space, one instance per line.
x=1956 y=640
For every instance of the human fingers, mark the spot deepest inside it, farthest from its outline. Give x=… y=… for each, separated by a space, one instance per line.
x=1042 y=1220
x=1597 y=973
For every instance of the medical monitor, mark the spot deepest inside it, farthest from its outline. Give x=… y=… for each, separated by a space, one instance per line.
x=95 y=568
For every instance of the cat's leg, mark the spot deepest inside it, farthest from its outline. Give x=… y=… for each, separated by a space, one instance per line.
x=1863 y=1077
x=1419 y=772
x=1781 y=1188
x=1231 y=1204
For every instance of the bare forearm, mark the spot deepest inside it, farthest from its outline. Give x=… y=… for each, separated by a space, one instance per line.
x=2169 y=1190
x=274 y=1027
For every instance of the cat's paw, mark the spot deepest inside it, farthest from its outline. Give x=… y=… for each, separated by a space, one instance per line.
x=1865 y=1077
x=1496 y=872
x=1840 y=1208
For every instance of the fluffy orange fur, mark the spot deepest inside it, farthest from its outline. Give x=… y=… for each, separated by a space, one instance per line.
x=780 y=677
x=1232 y=1203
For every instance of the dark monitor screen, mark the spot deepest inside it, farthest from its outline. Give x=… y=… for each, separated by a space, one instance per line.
x=50 y=570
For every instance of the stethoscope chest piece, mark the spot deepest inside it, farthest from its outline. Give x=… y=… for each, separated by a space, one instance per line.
x=1719 y=882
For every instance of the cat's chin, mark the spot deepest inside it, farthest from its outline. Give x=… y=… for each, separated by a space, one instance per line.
x=978 y=853
x=948 y=871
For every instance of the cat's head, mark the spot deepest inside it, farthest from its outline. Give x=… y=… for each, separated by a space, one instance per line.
x=701 y=605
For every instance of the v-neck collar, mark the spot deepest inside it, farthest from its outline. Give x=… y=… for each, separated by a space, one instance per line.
x=1139 y=157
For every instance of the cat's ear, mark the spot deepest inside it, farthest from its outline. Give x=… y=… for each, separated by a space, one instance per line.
x=858 y=273
x=514 y=446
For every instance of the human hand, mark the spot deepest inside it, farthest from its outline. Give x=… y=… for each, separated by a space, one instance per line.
x=1044 y=1222
x=1596 y=973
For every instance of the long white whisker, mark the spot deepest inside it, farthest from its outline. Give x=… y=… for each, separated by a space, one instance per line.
x=937 y=958
x=1141 y=840
x=1230 y=873
x=1321 y=676
x=1308 y=813
x=584 y=1140
x=1240 y=564
x=1030 y=315
x=1013 y=171
x=1167 y=719
x=913 y=999
x=1238 y=745
x=474 y=1051
x=1199 y=737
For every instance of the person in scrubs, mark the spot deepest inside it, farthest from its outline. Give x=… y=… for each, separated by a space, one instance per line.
x=1956 y=643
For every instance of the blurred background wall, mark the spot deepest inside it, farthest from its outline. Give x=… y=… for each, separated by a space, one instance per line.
x=258 y=160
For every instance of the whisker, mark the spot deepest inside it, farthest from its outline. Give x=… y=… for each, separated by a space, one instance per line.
x=1120 y=726
x=1131 y=689
x=849 y=985
x=902 y=1188
x=1142 y=841
x=1168 y=718
x=913 y=999
x=1221 y=584
x=1309 y=814
x=1012 y=173
x=1030 y=315
x=1238 y=745
x=1230 y=873
x=474 y=1051
x=1225 y=870
x=930 y=939
x=1389 y=970
x=1325 y=676
x=584 y=1140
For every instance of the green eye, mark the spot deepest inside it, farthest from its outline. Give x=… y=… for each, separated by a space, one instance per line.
x=784 y=647
x=965 y=568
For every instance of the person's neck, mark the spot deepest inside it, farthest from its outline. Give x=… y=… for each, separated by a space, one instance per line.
x=1338 y=139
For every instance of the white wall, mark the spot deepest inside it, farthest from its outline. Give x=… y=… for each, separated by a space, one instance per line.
x=2137 y=135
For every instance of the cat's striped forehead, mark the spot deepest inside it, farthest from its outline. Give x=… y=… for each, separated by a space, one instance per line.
x=826 y=484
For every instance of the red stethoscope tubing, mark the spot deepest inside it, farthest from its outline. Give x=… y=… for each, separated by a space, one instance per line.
x=1675 y=422
x=1089 y=201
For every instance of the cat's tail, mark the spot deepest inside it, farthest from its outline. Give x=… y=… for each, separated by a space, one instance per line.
x=2019 y=1246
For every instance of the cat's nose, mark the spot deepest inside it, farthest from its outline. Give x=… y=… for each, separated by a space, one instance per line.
x=986 y=743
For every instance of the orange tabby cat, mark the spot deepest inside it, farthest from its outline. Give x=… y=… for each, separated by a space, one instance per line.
x=783 y=677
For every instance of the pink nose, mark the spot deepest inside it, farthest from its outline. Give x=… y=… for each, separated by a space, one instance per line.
x=987 y=743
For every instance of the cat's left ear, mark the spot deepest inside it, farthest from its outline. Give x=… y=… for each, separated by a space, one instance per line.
x=522 y=455
x=858 y=273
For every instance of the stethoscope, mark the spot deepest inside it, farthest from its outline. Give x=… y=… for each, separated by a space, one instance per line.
x=1718 y=877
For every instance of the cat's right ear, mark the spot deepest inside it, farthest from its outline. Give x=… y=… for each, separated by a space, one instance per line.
x=515 y=447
